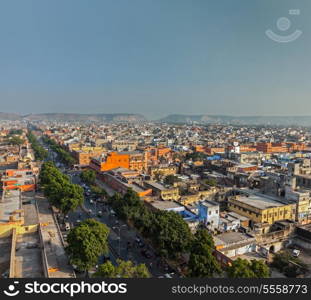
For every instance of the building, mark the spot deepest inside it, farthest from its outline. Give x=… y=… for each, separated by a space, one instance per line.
x=208 y=212
x=121 y=180
x=24 y=180
x=129 y=160
x=162 y=170
x=261 y=208
x=164 y=193
x=233 y=244
x=83 y=157
x=271 y=147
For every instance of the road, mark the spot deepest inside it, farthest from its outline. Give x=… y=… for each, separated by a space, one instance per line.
x=122 y=238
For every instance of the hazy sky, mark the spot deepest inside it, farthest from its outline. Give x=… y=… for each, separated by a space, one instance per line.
x=154 y=57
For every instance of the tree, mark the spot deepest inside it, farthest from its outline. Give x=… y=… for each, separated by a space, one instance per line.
x=59 y=190
x=242 y=268
x=170 y=233
x=124 y=269
x=88 y=176
x=202 y=262
x=98 y=191
x=260 y=268
x=15 y=140
x=289 y=265
x=40 y=152
x=86 y=243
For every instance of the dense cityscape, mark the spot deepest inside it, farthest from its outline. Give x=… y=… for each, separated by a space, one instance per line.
x=139 y=199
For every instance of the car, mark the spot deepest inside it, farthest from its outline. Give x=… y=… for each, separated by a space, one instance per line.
x=67 y=226
x=296 y=252
x=91 y=201
x=168 y=275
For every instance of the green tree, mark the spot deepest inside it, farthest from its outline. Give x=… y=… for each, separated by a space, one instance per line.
x=15 y=140
x=170 y=233
x=289 y=265
x=98 y=191
x=202 y=262
x=59 y=190
x=242 y=268
x=260 y=268
x=88 y=176
x=86 y=243
x=124 y=269
x=40 y=152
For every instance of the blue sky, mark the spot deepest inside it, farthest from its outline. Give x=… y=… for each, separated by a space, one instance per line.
x=154 y=57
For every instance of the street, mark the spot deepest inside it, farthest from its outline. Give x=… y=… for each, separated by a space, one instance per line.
x=124 y=242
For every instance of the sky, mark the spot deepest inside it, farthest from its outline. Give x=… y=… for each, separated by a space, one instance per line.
x=154 y=57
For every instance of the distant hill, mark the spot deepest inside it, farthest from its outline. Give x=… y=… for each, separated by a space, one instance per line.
x=242 y=120
x=75 y=117
x=174 y=118
x=9 y=116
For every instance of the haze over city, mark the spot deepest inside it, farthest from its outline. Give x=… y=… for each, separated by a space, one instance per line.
x=153 y=57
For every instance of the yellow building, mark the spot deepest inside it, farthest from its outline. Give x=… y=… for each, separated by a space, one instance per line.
x=261 y=208
x=162 y=171
x=165 y=193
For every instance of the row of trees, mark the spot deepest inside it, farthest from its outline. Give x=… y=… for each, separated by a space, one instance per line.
x=171 y=236
x=59 y=190
x=40 y=152
x=124 y=269
x=167 y=230
x=88 y=241
x=63 y=155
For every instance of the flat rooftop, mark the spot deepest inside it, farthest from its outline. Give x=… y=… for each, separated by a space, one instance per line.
x=156 y=185
x=259 y=201
x=55 y=255
x=165 y=205
x=28 y=260
x=11 y=202
x=229 y=238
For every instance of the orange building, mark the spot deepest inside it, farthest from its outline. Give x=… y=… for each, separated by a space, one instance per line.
x=24 y=180
x=292 y=147
x=84 y=158
x=112 y=160
x=271 y=147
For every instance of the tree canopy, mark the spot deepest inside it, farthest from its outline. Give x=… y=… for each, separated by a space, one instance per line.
x=242 y=268
x=88 y=176
x=59 y=190
x=124 y=269
x=202 y=262
x=86 y=242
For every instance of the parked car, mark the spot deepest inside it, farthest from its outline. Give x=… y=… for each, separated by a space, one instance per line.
x=296 y=252
x=67 y=226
